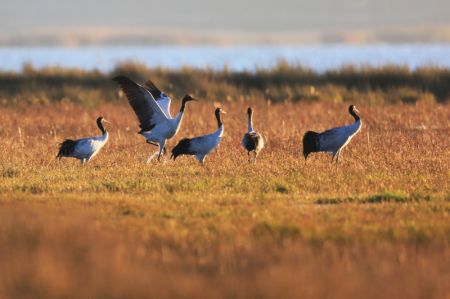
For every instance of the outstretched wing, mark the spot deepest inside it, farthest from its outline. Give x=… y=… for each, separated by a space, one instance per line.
x=161 y=98
x=143 y=103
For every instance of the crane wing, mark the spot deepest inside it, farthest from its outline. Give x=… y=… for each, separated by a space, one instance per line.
x=161 y=98
x=203 y=144
x=143 y=103
x=87 y=146
x=332 y=140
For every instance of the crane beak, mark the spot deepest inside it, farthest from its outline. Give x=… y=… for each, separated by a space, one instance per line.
x=108 y=122
x=221 y=111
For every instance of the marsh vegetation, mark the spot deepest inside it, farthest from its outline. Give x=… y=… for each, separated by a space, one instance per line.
x=378 y=226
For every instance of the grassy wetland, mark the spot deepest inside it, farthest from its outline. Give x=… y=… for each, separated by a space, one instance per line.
x=376 y=227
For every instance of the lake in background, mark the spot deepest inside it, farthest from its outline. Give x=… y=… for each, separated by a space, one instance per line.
x=317 y=57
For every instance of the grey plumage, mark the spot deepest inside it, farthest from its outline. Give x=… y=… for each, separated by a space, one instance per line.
x=152 y=108
x=200 y=146
x=136 y=94
x=253 y=142
x=86 y=148
x=332 y=141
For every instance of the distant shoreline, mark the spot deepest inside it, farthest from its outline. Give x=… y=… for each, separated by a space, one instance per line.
x=135 y=36
x=318 y=57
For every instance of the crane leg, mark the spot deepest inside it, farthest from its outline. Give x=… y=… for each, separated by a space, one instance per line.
x=202 y=161
x=152 y=156
x=256 y=156
x=162 y=148
x=338 y=156
x=152 y=143
x=337 y=159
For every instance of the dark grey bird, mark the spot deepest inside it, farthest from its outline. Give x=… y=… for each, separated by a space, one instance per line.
x=200 y=146
x=334 y=140
x=86 y=148
x=253 y=142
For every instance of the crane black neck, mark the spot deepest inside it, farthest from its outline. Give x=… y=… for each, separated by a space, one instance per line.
x=219 y=120
x=354 y=114
x=250 y=114
x=100 y=125
x=186 y=99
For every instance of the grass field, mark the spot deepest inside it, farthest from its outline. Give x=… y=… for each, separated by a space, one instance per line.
x=376 y=227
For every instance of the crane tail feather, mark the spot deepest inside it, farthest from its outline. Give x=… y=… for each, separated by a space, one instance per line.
x=182 y=148
x=66 y=148
x=310 y=143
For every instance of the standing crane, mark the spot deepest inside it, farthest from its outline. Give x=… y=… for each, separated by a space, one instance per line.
x=86 y=148
x=200 y=146
x=334 y=140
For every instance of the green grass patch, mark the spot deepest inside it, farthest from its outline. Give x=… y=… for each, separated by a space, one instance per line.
x=386 y=197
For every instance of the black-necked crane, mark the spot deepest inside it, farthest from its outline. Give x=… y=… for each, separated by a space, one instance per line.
x=252 y=141
x=86 y=148
x=334 y=140
x=152 y=108
x=200 y=146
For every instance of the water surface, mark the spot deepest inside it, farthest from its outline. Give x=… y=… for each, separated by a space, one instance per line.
x=317 y=57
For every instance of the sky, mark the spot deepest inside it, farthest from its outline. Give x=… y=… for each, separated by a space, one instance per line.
x=23 y=18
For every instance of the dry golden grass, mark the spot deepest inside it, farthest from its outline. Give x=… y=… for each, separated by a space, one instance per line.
x=378 y=227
